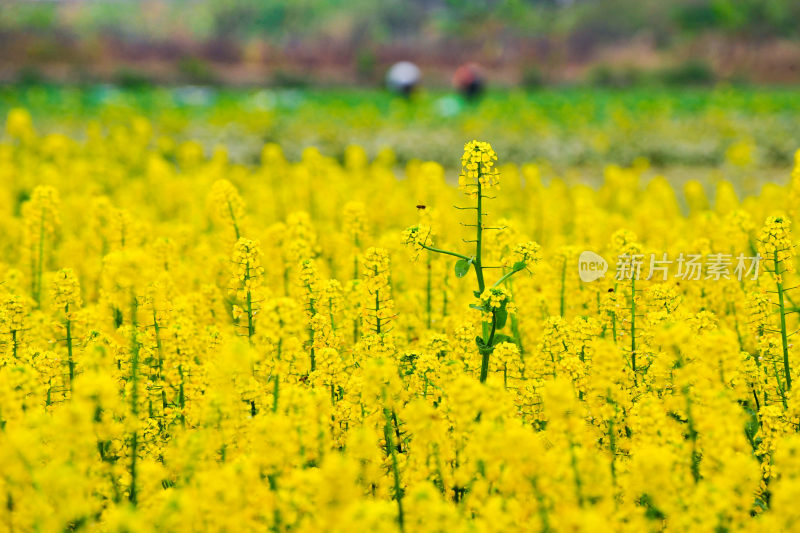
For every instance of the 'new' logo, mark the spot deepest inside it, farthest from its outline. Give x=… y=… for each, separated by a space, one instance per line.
x=591 y=266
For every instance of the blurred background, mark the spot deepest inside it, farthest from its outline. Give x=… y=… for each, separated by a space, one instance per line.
x=571 y=83
x=352 y=43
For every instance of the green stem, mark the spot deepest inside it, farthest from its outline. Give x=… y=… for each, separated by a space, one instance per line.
x=444 y=298
x=479 y=236
x=633 y=327
x=182 y=396
x=134 y=398
x=355 y=277
x=355 y=266
x=784 y=339
x=614 y=316
x=377 y=310
x=781 y=389
x=276 y=514
x=428 y=289
x=696 y=456
x=159 y=344
x=563 y=286
x=233 y=219
x=275 y=391
x=312 y=311
x=612 y=443
x=576 y=473
x=446 y=252
x=486 y=351
x=392 y=451
x=543 y=517
x=251 y=328
x=70 y=362
x=39 y=266
x=508 y=275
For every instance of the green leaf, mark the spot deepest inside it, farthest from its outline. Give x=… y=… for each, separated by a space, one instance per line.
x=501 y=338
x=479 y=341
x=476 y=306
x=477 y=294
x=462 y=267
x=483 y=350
x=519 y=265
x=500 y=317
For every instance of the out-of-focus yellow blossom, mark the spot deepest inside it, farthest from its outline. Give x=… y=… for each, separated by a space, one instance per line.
x=65 y=294
x=528 y=252
x=308 y=376
x=417 y=237
x=19 y=124
x=226 y=205
x=775 y=242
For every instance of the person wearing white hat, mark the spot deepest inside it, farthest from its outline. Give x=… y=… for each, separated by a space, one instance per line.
x=403 y=77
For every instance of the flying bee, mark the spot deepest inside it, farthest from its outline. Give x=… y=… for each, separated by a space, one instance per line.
x=421 y=206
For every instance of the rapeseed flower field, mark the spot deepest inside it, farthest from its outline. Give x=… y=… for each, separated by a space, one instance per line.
x=194 y=343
